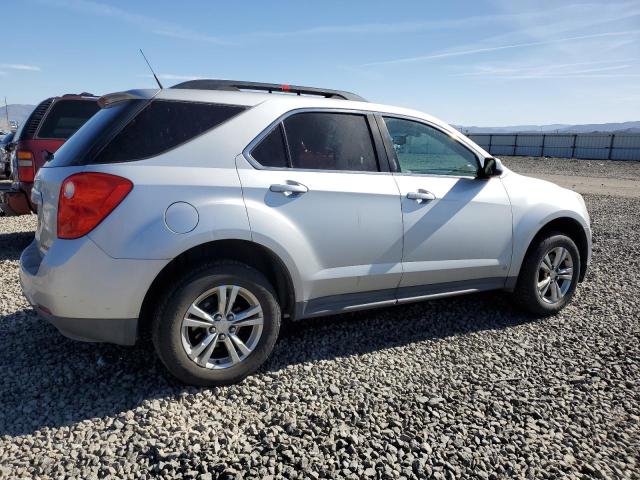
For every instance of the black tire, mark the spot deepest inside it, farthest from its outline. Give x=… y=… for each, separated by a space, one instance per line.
x=526 y=293
x=166 y=329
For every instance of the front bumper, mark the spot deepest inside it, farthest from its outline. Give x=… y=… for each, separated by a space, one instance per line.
x=85 y=293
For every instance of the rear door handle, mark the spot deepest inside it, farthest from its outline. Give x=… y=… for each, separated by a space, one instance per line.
x=421 y=196
x=287 y=189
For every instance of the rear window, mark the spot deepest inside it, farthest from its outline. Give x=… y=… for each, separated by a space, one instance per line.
x=81 y=148
x=66 y=117
x=163 y=125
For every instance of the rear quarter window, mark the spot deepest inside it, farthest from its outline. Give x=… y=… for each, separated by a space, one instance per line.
x=66 y=117
x=163 y=125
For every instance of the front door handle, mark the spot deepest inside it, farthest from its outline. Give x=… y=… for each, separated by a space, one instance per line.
x=287 y=189
x=421 y=196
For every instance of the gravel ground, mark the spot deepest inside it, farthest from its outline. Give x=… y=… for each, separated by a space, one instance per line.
x=464 y=387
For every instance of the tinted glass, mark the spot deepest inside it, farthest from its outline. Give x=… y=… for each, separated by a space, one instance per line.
x=420 y=148
x=66 y=117
x=163 y=125
x=271 y=151
x=81 y=148
x=330 y=141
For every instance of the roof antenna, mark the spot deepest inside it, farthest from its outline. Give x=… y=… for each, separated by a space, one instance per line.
x=154 y=73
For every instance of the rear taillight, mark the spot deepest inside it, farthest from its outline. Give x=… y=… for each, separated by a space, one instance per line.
x=86 y=199
x=26 y=170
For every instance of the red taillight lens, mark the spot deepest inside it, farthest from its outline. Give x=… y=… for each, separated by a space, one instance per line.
x=86 y=199
x=25 y=166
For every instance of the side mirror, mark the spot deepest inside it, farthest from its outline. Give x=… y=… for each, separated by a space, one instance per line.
x=491 y=168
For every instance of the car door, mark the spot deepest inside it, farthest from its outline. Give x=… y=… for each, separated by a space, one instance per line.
x=457 y=228
x=316 y=195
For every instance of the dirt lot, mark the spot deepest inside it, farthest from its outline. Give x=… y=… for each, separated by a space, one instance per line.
x=463 y=387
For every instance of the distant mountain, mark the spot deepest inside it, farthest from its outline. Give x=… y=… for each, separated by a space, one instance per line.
x=627 y=127
x=17 y=112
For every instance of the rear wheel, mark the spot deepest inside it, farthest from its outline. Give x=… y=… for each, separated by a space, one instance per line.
x=549 y=275
x=218 y=325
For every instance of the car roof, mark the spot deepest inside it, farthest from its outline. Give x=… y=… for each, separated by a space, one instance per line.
x=291 y=101
x=287 y=101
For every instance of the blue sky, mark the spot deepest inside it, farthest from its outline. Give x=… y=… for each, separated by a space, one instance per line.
x=477 y=62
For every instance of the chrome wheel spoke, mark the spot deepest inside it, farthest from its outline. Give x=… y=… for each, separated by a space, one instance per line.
x=206 y=355
x=222 y=299
x=247 y=314
x=231 y=348
x=544 y=284
x=240 y=344
x=565 y=273
x=232 y=300
x=194 y=322
x=561 y=254
x=199 y=348
x=196 y=311
x=546 y=264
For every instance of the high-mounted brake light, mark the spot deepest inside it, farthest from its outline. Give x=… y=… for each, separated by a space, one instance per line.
x=86 y=199
x=25 y=165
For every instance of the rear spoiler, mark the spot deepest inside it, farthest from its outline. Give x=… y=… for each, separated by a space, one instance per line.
x=106 y=101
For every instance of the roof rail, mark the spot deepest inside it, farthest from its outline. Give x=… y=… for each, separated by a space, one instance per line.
x=237 y=86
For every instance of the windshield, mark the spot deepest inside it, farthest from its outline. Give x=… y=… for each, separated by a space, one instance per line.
x=82 y=147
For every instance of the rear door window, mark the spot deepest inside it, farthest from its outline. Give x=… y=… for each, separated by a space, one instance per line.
x=163 y=125
x=66 y=117
x=330 y=141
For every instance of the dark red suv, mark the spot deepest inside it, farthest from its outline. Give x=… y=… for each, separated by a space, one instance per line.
x=50 y=124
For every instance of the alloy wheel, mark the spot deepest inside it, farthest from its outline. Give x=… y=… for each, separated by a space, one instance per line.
x=222 y=327
x=555 y=274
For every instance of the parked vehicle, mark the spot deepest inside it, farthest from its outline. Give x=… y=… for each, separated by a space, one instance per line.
x=209 y=214
x=50 y=124
x=6 y=146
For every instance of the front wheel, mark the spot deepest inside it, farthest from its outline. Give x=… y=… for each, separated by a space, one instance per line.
x=549 y=275
x=218 y=325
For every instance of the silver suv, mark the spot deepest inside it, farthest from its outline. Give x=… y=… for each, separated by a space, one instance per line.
x=212 y=211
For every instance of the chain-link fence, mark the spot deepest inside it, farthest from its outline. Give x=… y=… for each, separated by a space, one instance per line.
x=605 y=146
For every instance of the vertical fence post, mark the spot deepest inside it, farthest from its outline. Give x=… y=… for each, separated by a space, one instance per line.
x=515 y=144
x=544 y=136
x=613 y=135
x=490 y=137
x=573 y=147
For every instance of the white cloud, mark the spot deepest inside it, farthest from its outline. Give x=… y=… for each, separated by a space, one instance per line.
x=564 y=70
x=20 y=66
x=459 y=53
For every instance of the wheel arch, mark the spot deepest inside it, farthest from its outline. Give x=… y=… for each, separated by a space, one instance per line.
x=571 y=228
x=251 y=253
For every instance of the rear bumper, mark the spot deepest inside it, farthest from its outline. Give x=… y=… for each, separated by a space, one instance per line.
x=15 y=202
x=85 y=293
x=122 y=331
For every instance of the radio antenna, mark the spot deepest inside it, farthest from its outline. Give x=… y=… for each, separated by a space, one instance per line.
x=150 y=68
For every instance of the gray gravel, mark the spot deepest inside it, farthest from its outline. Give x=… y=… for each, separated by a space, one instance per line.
x=465 y=387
